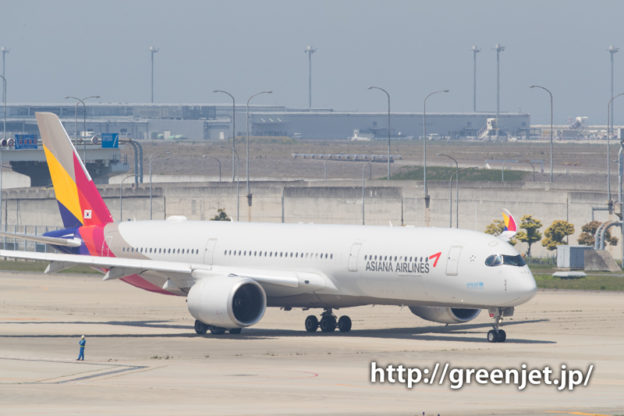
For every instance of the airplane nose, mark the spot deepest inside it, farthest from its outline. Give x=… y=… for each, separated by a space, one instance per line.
x=524 y=287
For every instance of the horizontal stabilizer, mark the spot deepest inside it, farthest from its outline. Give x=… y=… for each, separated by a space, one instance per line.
x=56 y=241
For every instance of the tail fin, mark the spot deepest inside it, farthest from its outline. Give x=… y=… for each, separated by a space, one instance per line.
x=79 y=201
x=510 y=226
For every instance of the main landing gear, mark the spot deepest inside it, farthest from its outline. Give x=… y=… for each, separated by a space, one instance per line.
x=328 y=322
x=201 y=328
x=497 y=334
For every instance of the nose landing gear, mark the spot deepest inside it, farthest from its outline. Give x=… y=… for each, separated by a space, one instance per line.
x=497 y=334
x=328 y=322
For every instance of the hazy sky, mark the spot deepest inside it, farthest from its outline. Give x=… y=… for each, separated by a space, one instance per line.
x=82 y=48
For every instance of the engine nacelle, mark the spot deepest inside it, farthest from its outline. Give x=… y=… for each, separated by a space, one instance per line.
x=227 y=302
x=445 y=315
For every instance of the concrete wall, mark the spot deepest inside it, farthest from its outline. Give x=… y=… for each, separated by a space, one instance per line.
x=331 y=202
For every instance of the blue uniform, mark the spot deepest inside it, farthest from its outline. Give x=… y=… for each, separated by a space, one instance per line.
x=82 y=344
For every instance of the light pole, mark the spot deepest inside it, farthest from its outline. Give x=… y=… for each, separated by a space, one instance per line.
x=499 y=48
x=4 y=51
x=84 y=119
x=249 y=196
x=612 y=51
x=233 y=130
x=427 y=218
x=456 y=187
x=150 y=187
x=152 y=51
x=4 y=83
x=551 y=126
x=475 y=51
x=609 y=133
x=309 y=50
x=237 y=190
x=121 y=195
x=388 y=96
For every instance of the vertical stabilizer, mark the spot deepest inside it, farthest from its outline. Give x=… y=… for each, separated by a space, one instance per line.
x=79 y=201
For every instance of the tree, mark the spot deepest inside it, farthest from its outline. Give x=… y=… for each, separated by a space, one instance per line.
x=589 y=230
x=554 y=235
x=221 y=216
x=531 y=233
x=496 y=227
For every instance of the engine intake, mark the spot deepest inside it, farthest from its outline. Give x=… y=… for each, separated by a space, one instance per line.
x=445 y=315
x=228 y=302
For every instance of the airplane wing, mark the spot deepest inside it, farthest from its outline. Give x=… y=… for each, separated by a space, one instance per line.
x=179 y=272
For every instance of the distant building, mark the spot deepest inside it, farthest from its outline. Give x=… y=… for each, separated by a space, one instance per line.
x=213 y=122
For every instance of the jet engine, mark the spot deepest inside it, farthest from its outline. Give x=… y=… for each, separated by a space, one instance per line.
x=227 y=302
x=445 y=315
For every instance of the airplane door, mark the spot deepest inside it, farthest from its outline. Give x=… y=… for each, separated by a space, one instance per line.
x=209 y=251
x=353 y=256
x=452 y=262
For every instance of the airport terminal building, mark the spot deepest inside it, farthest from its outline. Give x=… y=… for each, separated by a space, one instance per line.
x=214 y=122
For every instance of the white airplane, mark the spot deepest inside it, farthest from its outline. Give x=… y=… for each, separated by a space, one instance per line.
x=231 y=272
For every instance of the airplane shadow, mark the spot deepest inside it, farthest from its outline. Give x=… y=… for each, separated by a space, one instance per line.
x=458 y=333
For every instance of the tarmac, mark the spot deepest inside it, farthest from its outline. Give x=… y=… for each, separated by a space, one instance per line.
x=143 y=357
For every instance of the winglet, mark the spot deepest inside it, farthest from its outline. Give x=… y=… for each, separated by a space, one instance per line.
x=510 y=226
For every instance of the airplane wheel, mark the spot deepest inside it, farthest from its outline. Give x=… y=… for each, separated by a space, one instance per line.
x=344 y=323
x=328 y=323
x=235 y=331
x=311 y=323
x=200 y=327
x=496 y=335
x=215 y=330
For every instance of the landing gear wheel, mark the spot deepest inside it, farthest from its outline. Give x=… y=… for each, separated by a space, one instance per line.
x=344 y=323
x=200 y=327
x=496 y=335
x=235 y=331
x=328 y=323
x=311 y=323
x=216 y=330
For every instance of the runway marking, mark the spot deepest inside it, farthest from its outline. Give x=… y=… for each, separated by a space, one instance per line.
x=576 y=413
x=69 y=378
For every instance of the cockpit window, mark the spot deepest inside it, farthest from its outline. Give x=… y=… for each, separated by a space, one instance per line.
x=494 y=260
x=514 y=260
x=497 y=260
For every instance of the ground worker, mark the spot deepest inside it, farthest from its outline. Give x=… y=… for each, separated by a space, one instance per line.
x=82 y=344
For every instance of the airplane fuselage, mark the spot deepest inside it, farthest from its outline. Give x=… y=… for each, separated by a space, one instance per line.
x=334 y=265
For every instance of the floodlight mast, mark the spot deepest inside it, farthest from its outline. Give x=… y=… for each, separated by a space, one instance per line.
x=475 y=51
x=153 y=50
x=309 y=50
x=499 y=48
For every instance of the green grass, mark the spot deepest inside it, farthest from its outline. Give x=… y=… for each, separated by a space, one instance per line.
x=598 y=281
x=442 y=173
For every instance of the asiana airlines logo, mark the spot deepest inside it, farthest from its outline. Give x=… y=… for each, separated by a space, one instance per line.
x=422 y=265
